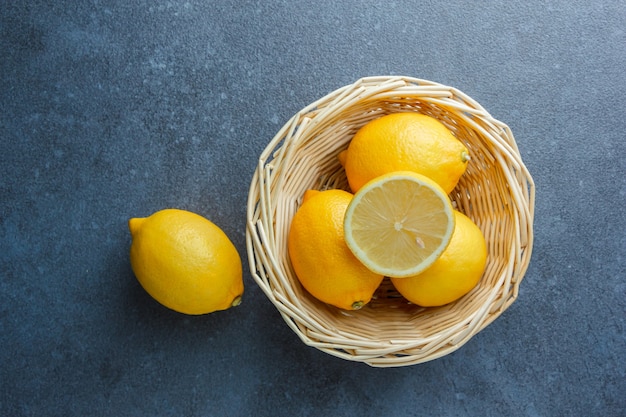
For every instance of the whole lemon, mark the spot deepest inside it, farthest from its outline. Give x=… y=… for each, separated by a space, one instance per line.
x=405 y=142
x=454 y=274
x=185 y=262
x=322 y=261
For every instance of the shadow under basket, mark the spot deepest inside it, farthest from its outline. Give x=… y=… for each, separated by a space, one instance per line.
x=496 y=192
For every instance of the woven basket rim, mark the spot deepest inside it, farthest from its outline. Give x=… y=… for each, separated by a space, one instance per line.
x=300 y=156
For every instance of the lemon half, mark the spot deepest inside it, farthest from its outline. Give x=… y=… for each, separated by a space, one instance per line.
x=398 y=224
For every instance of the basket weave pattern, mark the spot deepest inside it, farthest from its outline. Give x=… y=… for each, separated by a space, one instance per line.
x=497 y=192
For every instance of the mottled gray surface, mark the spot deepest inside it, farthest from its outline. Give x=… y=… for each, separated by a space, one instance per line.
x=111 y=109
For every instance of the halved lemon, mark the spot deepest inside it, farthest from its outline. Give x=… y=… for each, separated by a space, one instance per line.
x=399 y=224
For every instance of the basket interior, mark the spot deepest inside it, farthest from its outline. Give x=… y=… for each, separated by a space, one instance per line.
x=304 y=156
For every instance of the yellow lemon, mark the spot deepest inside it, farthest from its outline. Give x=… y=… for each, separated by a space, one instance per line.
x=454 y=274
x=398 y=224
x=324 y=265
x=185 y=262
x=405 y=142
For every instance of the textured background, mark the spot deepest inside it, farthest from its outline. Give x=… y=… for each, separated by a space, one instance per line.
x=111 y=109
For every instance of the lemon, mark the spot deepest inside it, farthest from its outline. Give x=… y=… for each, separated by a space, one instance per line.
x=185 y=262
x=454 y=274
x=405 y=142
x=398 y=224
x=324 y=265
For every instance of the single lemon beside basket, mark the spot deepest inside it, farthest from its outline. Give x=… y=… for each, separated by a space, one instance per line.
x=322 y=262
x=405 y=141
x=185 y=262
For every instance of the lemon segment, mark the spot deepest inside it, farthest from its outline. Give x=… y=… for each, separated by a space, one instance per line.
x=398 y=224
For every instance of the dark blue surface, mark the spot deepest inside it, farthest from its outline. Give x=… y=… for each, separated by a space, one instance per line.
x=114 y=109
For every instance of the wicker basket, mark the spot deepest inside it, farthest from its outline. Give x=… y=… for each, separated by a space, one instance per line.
x=496 y=191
